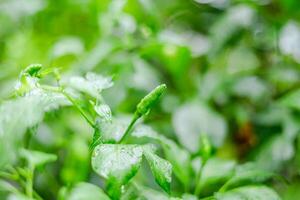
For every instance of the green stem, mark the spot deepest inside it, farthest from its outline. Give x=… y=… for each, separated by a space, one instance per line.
x=29 y=183
x=82 y=112
x=15 y=176
x=129 y=128
x=198 y=178
x=71 y=99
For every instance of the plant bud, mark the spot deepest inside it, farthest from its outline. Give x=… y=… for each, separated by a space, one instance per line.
x=150 y=99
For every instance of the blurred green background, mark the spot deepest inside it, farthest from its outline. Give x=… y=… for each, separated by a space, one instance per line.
x=232 y=68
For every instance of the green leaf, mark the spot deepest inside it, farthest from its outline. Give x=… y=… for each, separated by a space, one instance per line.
x=32 y=70
x=18 y=197
x=245 y=175
x=150 y=194
x=179 y=158
x=214 y=174
x=86 y=191
x=193 y=118
x=103 y=111
x=278 y=151
x=205 y=147
x=189 y=197
x=249 y=193
x=92 y=84
x=37 y=158
x=112 y=130
x=13 y=124
x=161 y=169
x=116 y=163
x=291 y=100
x=150 y=100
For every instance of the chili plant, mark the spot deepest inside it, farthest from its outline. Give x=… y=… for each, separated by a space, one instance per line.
x=117 y=149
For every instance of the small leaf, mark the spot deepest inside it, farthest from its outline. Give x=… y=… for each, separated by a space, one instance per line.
x=205 y=147
x=116 y=163
x=32 y=70
x=36 y=158
x=86 y=191
x=249 y=193
x=149 y=100
x=103 y=111
x=112 y=131
x=161 y=169
x=92 y=84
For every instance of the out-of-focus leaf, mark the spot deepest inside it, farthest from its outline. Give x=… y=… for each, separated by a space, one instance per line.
x=161 y=169
x=116 y=163
x=249 y=192
x=289 y=40
x=17 y=9
x=19 y=197
x=144 y=77
x=92 y=84
x=67 y=46
x=76 y=164
x=189 y=197
x=37 y=158
x=13 y=124
x=247 y=174
x=179 y=158
x=214 y=174
x=150 y=194
x=277 y=151
x=86 y=191
x=251 y=87
x=102 y=49
x=197 y=43
x=291 y=100
x=194 y=118
x=241 y=60
x=239 y=16
x=103 y=111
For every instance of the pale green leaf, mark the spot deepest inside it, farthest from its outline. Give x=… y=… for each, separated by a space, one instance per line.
x=249 y=193
x=103 y=111
x=179 y=158
x=92 y=84
x=116 y=163
x=86 y=191
x=161 y=169
x=37 y=158
x=194 y=118
x=214 y=174
x=247 y=174
x=291 y=100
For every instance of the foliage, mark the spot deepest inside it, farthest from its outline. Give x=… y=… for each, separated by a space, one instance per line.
x=149 y=99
